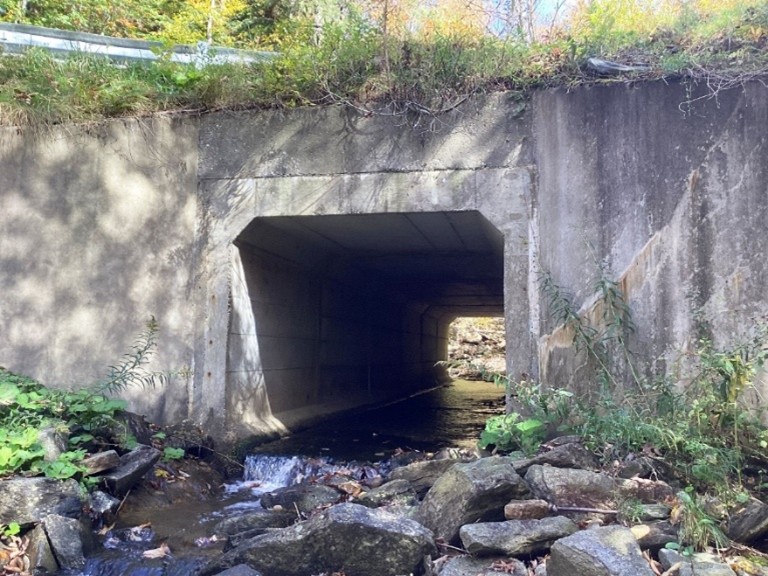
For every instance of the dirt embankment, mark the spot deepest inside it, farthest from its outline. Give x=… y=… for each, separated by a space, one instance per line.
x=476 y=347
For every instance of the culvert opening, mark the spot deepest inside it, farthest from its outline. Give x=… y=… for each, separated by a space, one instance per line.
x=331 y=312
x=476 y=348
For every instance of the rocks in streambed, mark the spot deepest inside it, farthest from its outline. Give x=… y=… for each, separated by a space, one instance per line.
x=604 y=551
x=28 y=500
x=471 y=492
x=422 y=475
x=302 y=497
x=347 y=537
x=701 y=564
x=133 y=466
x=397 y=493
x=469 y=566
x=70 y=541
x=515 y=537
x=748 y=521
x=246 y=526
x=567 y=487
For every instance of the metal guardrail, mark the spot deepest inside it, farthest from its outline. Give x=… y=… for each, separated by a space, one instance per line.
x=16 y=38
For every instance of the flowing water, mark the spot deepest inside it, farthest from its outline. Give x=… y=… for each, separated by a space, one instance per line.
x=361 y=443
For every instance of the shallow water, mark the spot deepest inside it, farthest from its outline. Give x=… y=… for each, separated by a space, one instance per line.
x=450 y=416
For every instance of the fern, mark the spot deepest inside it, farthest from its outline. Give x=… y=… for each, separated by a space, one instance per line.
x=131 y=371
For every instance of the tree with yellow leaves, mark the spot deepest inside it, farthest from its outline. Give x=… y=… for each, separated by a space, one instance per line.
x=203 y=20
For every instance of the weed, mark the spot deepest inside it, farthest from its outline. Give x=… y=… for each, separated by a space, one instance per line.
x=360 y=62
x=170 y=453
x=697 y=529
x=84 y=415
x=701 y=432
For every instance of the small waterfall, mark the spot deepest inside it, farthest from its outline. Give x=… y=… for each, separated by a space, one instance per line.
x=272 y=472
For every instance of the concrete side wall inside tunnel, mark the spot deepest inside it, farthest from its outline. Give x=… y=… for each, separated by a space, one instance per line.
x=317 y=343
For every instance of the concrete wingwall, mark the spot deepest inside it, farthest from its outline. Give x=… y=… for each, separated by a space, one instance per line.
x=302 y=262
x=97 y=236
x=666 y=187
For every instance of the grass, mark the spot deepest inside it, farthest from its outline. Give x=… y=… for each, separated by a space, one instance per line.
x=355 y=64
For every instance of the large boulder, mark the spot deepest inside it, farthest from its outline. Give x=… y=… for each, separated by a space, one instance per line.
x=570 y=487
x=28 y=500
x=571 y=455
x=604 y=551
x=700 y=564
x=394 y=493
x=471 y=492
x=565 y=487
x=41 y=558
x=515 y=537
x=348 y=538
x=237 y=529
x=70 y=541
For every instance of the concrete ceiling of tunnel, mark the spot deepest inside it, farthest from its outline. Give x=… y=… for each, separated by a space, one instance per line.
x=449 y=260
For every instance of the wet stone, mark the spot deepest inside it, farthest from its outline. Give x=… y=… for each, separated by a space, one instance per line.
x=41 y=558
x=240 y=570
x=472 y=492
x=397 y=492
x=68 y=540
x=301 y=497
x=133 y=466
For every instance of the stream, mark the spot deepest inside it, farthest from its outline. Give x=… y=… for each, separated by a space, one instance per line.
x=362 y=442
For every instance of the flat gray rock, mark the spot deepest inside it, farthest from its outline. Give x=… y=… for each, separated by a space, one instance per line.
x=422 y=475
x=605 y=551
x=468 y=566
x=66 y=537
x=748 y=522
x=132 y=468
x=397 y=492
x=515 y=537
x=239 y=570
x=302 y=497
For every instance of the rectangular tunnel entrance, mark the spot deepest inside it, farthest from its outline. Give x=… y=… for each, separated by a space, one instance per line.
x=331 y=312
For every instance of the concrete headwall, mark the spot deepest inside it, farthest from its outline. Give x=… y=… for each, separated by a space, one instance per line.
x=343 y=310
x=306 y=261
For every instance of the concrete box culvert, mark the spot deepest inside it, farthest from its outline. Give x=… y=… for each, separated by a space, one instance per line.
x=334 y=311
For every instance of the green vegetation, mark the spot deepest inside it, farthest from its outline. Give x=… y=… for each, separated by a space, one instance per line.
x=699 y=433
x=386 y=58
x=84 y=419
x=510 y=432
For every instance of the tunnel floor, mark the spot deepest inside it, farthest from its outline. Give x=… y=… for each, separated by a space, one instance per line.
x=448 y=416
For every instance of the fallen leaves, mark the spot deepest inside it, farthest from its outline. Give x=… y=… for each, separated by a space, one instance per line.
x=160 y=552
x=13 y=553
x=506 y=566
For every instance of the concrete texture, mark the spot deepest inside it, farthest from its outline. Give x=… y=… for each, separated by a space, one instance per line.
x=97 y=236
x=308 y=261
x=670 y=198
